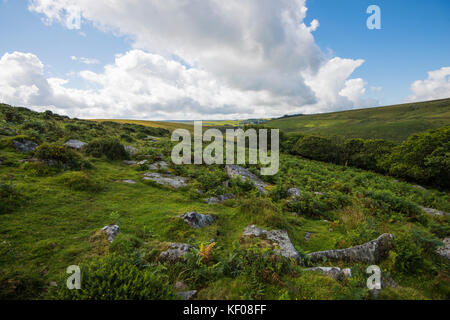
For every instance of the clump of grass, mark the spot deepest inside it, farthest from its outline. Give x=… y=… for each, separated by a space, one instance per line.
x=81 y=181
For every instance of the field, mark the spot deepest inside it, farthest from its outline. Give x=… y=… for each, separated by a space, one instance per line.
x=53 y=209
x=395 y=123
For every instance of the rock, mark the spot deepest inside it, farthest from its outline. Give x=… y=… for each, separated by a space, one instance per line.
x=53 y=284
x=435 y=212
x=130 y=149
x=197 y=220
x=294 y=193
x=186 y=295
x=319 y=193
x=237 y=171
x=180 y=285
x=308 y=235
x=371 y=252
x=129 y=162
x=444 y=251
x=281 y=237
x=175 y=252
x=24 y=145
x=333 y=272
x=142 y=162
x=419 y=187
x=220 y=198
x=75 y=144
x=127 y=181
x=158 y=165
x=173 y=181
x=151 y=138
x=111 y=231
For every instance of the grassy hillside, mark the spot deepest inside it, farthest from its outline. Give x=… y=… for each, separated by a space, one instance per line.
x=395 y=123
x=51 y=215
x=155 y=124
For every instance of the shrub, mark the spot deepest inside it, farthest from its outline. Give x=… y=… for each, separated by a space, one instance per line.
x=409 y=254
x=109 y=147
x=37 y=126
x=115 y=277
x=81 y=181
x=59 y=155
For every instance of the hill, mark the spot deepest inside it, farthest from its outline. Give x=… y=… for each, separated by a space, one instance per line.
x=394 y=123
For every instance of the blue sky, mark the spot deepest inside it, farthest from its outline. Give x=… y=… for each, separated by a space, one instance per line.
x=414 y=40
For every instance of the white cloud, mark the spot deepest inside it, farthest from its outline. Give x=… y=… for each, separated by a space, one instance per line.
x=85 y=60
x=436 y=86
x=254 y=58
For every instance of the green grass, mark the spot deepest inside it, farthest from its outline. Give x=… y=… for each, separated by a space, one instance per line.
x=395 y=123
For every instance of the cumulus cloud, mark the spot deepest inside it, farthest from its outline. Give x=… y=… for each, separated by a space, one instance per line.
x=436 y=86
x=201 y=59
x=85 y=60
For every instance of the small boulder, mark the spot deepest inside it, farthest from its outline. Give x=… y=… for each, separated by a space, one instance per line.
x=158 y=165
x=130 y=149
x=111 y=231
x=435 y=212
x=280 y=237
x=142 y=162
x=220 y=198
x=75 y=144
x=197 y=220
x=129 y=181
x=24 y=145
x=173 y=181
x=419 y=187
x=333 y=272
x=237 y=171
x=175 y=252
x=444 y=251
x=186 y=295
x=294 y=193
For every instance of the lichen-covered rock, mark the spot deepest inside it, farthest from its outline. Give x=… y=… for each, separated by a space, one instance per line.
x=237 y=171
x=280 y=237
x=435 y=212
x=444 y=251
x=336 y=273
x=186 y=295
x=24 y=145
x=111 y=232
x=158 y=165
x=175 y=252
x=165 y=179
x=197 y=220
x=75 y=144
x=371 y=252
x=220 y=198
x=294 y=193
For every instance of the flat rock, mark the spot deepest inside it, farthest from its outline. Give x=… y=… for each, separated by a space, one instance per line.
x=435 y=212
x=281 y=237
x=444 y=251
x=24 y=145
x=197 y=220
x=158 y=165
x=220 y=198
x=186 y=295
x=75 y=144
x=111 y=231
x=237 y=171
x=371 y=252
x=165 y=179
x=175 y=252
x=333 y=272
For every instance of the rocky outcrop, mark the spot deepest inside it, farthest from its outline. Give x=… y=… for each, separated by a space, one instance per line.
x=158 y=165
x=371 y=252
x=435 y=212
x=175 y=252
x=237 y=171
x=333 y=272
x=220 y=198
x=279 y=237
x=24 y=145
x=111 y=232
x=197 y=220
x=165 y=179
x=444 y=251
x=75 y=144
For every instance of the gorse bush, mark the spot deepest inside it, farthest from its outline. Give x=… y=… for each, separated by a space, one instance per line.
x=111 y=148
x=115 y=277
x=59 y=155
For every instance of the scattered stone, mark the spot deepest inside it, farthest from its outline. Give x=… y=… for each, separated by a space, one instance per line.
x=186 y=295
x=180 y=285
x=419 y=187
x=444 y=251
x=130 y=149
x=281 y=238
x=237 y=171
x=173 y=181
x=158 y=165
x=435 y=212
x=111 y=231
x=220 y=198
x=142 y=162
x=75 y=144
x=294 y=193
x=53 y=284
x=319 y=193
x=371 y=252
x=175 y=252
x=24 y=145
x=197 y=220
x=129 y=162
x=129 y=181
x=308 y=235
x=334 y=272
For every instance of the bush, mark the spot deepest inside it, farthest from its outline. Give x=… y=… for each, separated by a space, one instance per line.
x=81 y=181
x=115 y=277
x=108 y=147
x=59 y=155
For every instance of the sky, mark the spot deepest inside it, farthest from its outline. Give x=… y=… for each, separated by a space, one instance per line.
x=214 y=59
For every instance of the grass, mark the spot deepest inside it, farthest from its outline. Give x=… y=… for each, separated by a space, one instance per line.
x=395 y=123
